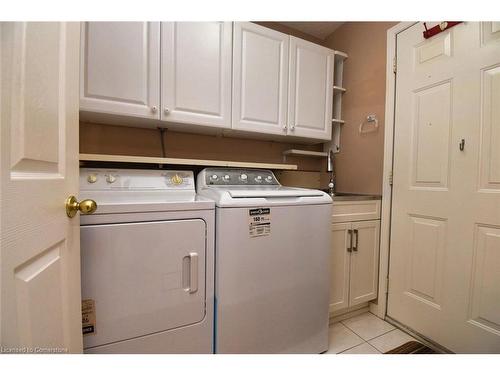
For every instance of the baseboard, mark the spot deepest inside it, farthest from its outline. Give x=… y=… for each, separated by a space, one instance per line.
x=426 y=341
x=348 y=313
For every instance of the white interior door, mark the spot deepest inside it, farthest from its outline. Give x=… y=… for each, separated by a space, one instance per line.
x=120 y=68
x=260 y=79
x=310 y=94
x=40 y=250
x=196 y=72
x=445 y=233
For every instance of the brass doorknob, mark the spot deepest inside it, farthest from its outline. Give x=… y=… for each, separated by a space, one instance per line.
x=86 y=207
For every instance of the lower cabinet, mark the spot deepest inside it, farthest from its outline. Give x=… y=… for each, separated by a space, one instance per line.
x=354 y=263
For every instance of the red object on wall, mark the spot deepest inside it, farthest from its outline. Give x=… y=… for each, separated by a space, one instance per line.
x=439 y=28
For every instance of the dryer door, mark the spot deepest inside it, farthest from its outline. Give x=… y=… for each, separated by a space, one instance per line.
x=141 y=278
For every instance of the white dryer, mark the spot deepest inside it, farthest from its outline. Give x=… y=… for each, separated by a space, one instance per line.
x=147 y=263
x=272 y=263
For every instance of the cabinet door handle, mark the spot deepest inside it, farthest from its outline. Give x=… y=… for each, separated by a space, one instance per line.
x=355 y=248
x=349 y=247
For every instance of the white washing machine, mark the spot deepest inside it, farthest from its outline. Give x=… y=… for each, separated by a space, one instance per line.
x=147 y=263
x=272 y=263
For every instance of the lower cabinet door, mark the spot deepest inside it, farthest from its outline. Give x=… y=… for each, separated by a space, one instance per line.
x=339 y=266
x=364 y=261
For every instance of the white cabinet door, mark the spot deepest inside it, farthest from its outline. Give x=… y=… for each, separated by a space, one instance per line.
x=310 y=93
x=260 y=79
x=364 y=262
x=339 y=266
x=196 y=73
x=120 y=68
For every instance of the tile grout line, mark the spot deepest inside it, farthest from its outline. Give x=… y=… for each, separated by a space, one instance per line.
x=373 y=338
x=354 y=334
x=366 y=341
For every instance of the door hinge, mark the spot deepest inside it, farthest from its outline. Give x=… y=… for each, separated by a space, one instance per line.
x=394 y=66
x=387 y=285
x=390 y=178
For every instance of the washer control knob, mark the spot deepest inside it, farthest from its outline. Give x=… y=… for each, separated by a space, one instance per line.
x=226 y=177
x=258 y=179
x=177 y=180
x=243 y=177
x=110 y=178
x=269 y=179
x=92 y=178
x=214 y=177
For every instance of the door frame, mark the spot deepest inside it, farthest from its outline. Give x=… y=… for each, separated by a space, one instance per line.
x=380 y=307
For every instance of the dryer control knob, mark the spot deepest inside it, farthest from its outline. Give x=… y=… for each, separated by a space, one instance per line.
x=269 y=179
x=177 y=180
x=258 y=179
x=110 y=178
x=92 y=178
x=226 y=177
x=214 y=177
x=243 y=177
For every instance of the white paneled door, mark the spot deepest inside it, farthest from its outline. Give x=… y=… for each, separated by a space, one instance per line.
x=260 y=79
x=196 y=72
x=120 y=68
x=445 y=234
x=311 y=90
x=40 y=250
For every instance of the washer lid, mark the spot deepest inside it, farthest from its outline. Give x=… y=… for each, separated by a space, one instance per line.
x=248 y=196
x=272 y=192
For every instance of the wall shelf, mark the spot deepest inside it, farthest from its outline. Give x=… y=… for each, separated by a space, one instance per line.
x=314 y=154
x=338 y=93
x=340 y=56
x=178 y=161
x=307 y=153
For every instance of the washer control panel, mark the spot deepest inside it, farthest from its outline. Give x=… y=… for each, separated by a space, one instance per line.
x=236 y=176
x=135 y=179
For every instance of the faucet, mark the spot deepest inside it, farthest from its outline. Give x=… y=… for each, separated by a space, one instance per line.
x=330 y=168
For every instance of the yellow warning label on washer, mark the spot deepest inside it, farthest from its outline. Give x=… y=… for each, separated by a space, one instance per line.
x=88 y=316
x=259 y=222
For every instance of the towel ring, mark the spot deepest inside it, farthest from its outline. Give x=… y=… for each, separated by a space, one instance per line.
x=369 y=120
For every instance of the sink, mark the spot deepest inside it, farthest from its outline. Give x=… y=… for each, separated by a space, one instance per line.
x=353 y=196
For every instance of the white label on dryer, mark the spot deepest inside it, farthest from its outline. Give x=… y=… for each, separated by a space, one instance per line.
x=259 y=222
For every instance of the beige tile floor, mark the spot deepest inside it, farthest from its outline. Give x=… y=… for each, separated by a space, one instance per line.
x=365 y=334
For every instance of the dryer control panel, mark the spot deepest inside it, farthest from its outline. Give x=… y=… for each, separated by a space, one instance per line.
x=236 y=176
x=135 y=179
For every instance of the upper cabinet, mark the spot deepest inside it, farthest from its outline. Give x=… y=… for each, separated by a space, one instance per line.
x=196 y=73
x=260 y=79
x=217 y=75
x=310 y=92
x=120 y=68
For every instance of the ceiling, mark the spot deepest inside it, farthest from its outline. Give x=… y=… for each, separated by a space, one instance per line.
x=318 y=29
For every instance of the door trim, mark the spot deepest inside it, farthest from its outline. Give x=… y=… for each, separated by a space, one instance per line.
x=379 y=308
